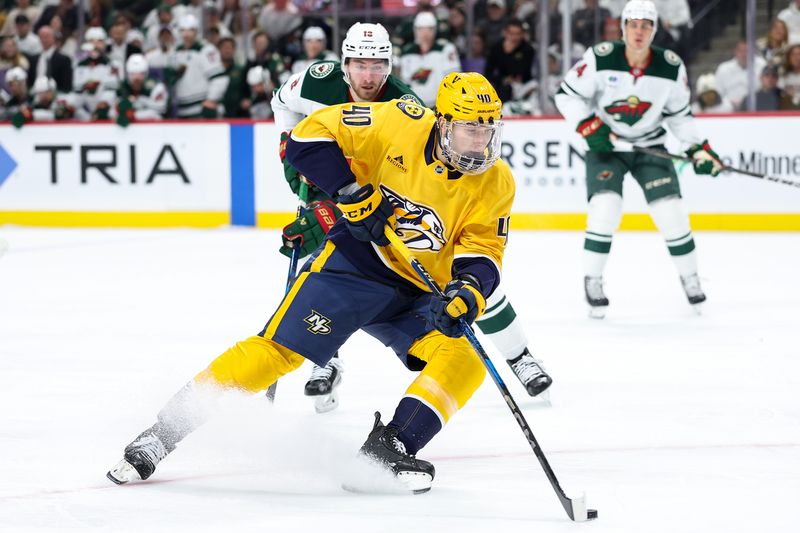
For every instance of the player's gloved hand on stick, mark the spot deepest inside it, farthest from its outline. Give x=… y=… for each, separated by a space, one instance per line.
x=367 y=213
x=310 y=228
x=704 y=159
x=462 y=299
x=293 y=177
x=597 y=134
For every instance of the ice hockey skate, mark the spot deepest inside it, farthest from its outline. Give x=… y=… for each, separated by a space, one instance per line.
x=694 y=293
x=384 y=449
x=596 y=298
x=531 y=374
x=323 y=383
x=140 y=458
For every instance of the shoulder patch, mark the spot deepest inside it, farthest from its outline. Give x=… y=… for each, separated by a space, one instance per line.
x=603 y=49
x=411 y=98
x=321 y=69
x=672 y=58
x=411 y=109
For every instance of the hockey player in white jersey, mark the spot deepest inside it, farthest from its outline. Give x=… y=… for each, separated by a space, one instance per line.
x=629 y=90
x=198 y=73
x=364 y=76
x=139 y=97
x=96 y=78
x=427 y=60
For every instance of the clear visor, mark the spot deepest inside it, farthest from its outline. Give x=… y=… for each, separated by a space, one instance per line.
x=471 y=147
x=379 y=68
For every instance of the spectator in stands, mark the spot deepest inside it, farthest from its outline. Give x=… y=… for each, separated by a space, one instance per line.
x=770 y=97
x=164 y=19
x=51 y=63
x=510 y=61
x=279 y=18
x=234 y=99
x=612 y=31
x=587 y=23
x=10 y=56
x=66 y=43
x=314 y=49
x=139 y=97
x=96 y=78
x=158 y=57
x=772 y=47
x=196 y=69
x=258 y=80
x=675 y=17
x=119 y=49
x=24 y=7
x=155 y=17
x=67 y=13
x=790 y=76
x=27 y=42
x=457 y=30
x=265 y=56
x=476 y=56
x=731 y=75
x=494 y=23
x=708 y=99
x=427 y=60
x=791 y=16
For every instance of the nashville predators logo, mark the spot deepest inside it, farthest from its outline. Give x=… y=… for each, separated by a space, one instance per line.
x=628 y=111
x=318 y=323
x=418 y=226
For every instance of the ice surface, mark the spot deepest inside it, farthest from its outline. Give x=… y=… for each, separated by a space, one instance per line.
x=668 y=421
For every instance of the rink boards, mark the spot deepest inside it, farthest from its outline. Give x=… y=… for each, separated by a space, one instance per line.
x=205 y=174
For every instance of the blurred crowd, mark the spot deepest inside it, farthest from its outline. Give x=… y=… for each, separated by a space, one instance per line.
x=129 y=60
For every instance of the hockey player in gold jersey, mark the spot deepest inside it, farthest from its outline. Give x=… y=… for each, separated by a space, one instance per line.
x=437 y=180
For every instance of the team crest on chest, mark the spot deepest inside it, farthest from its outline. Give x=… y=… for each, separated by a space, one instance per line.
x=418 y=226
x=628 y=111
x=320 y=70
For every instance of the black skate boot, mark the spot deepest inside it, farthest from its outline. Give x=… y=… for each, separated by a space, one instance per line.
x=385 y=448
x=530 y=372
x=695 y=294
x=598 y=303
x=323 y=383
x=141 y=457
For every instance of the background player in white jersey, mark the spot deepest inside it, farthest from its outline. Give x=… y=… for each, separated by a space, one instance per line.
x=314 y=43
x=96 y=78
x=139 y=97
x=197 y=71
x=364 y=76
x=427 y=60
x=629 y=90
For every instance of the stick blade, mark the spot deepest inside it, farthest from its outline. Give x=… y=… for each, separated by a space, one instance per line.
x=578 y=511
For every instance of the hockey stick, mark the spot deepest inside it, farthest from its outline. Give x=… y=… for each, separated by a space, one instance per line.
x=627 y=147
x=575 y=507
x=301 y=209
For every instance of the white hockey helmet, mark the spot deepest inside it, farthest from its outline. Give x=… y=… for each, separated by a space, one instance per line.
x=640 y=10
x=258 y=74
x=188 y=22
x=136 y=64
x=44 y=84
x=425 y=19
x=16 y=74
x=706 y=82
x=95 y=33
x=368 y=41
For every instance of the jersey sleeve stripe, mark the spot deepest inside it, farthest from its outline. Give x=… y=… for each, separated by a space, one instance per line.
x=686 y=110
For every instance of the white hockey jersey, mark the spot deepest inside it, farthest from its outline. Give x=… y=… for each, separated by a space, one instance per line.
x=424 y=72
x=201 y=76
x=95 y=80
x=634 y=103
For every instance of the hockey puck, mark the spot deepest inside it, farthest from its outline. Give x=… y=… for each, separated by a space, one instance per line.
x=591 y=514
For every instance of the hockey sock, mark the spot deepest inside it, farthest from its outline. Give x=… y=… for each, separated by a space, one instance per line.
x=499 y=323
x=416 y=423
x=672 y=221
x=603 y=217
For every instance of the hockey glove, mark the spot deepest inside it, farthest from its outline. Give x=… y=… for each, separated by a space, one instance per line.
x=704 y=159
x=309 y=230
x=461 y=300
x=597 y=134
x=367 y=213
x=293 y=177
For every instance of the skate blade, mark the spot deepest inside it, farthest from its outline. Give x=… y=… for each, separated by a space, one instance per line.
x=698 y=308
x=122 y=473
x=403 y=483
x=543 y=398
x=326 y=402
x=598 y=312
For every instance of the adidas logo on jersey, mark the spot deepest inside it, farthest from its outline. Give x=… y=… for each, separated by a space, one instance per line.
x=318 y=324
x=397 y=162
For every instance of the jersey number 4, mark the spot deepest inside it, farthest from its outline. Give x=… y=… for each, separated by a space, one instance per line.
x=502 y=227
x=357 y=116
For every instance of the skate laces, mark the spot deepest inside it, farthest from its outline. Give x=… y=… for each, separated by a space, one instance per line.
x=594 y=287
x=150 y=446
x=398 y=445
x=527 y=368
x=322 y=373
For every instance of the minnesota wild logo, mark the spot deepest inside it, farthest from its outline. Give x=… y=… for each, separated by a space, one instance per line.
x=628 y=111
